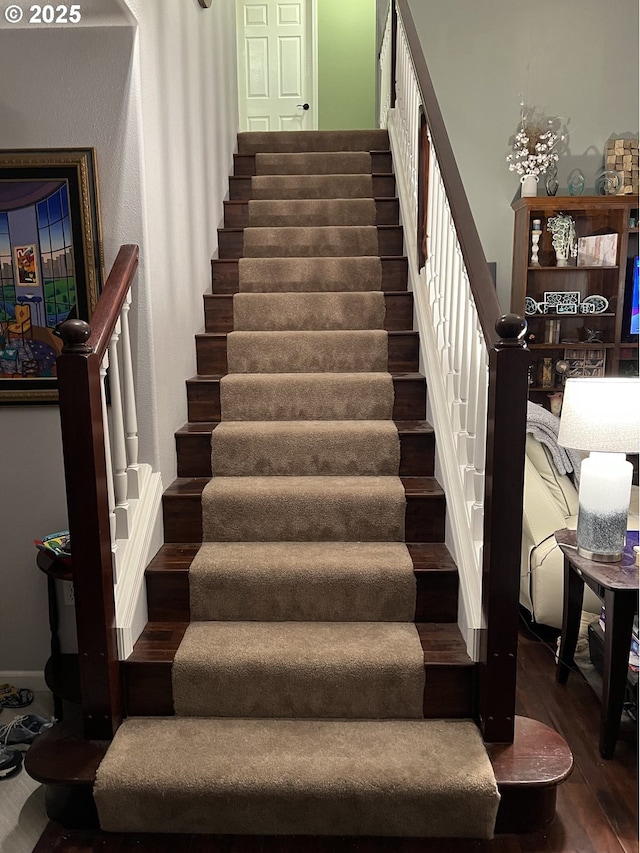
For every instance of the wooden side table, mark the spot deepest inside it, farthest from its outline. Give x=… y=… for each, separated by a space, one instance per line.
x=616 y=584
x=61 y=672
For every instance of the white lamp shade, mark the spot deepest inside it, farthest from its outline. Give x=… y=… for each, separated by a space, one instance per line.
x=601 y=414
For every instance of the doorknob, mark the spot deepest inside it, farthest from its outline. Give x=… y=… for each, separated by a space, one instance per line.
x=304 y=106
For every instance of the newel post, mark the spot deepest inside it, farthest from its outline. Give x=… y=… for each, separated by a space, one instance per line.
x=509 y=363
x=87 y=502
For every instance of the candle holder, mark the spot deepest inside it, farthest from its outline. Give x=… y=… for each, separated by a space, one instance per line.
x=536 y=232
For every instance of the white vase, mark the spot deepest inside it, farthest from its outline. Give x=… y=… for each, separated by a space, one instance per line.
x=529 y=185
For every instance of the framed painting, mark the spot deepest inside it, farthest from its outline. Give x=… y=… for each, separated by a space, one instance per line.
x=51 y=265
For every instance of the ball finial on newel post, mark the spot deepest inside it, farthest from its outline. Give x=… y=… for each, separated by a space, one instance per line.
x=511 y=329
x=75 y=334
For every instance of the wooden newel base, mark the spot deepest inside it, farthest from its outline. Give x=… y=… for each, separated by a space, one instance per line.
x=72 y=806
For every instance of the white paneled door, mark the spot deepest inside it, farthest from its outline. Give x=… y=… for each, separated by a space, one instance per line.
x=276 y=64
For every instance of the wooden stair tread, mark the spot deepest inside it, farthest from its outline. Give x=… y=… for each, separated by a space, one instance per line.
x=203 y=396
x=216 y=377
x=219 y=310
x=426 y=556
x=234 y=229
x=224 y=274
x=220 y=336
x=431 y=556
x=211 y=349
x=245 y=164
x=442 y=644
x=538 y=757
x=435 y=571
x=390 y=241
x=424 y=511
x=207 y=427
x=60 y=755
x=193 y=446
x=176 y=557
x=236 y=211
x=240 y=186
x=193 y=486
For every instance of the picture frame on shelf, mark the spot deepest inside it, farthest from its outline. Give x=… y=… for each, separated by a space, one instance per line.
x=51 y=266
x=600 y=250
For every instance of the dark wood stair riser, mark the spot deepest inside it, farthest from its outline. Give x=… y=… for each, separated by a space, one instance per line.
x=236 y=213
x=230 y=241
x=244 y=165
x=448 y=669
x=436 y=596
x=384 y=186
x=168 y=590
x=211 y=353
x=410 y=398
x=182 y=511
x=218 y=312
x=148 y=691
x=224 y=274
x=193 y=446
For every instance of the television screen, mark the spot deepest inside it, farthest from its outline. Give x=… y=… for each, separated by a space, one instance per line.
x=631 y=312
x=634 y=318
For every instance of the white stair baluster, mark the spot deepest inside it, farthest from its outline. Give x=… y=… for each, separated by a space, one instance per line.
x=109 y=464
x=119 y=447
x=129 y=401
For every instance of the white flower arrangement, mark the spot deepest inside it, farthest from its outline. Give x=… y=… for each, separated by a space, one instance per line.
x=533 y=146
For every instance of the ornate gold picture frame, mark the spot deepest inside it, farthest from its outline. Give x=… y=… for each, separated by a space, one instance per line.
x=50 y=262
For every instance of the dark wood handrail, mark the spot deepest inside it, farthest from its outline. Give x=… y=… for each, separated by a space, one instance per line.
x=112 y=298
x=480 y=280
x=86 y=480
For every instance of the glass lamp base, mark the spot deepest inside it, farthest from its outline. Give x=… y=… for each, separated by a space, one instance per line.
x=605 y=490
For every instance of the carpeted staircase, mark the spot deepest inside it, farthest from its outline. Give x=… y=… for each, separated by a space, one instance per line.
x=302 y=672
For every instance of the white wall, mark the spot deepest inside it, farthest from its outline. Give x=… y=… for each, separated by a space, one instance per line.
x=158 y=104
x=571 y=58
x=190 y=120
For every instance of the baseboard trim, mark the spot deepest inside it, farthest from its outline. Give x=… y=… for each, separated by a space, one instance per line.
x=31 y=679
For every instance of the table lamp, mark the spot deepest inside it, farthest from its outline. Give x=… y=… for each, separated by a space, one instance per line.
x=603 y=417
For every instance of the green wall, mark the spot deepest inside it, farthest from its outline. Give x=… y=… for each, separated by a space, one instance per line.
x=346 y=64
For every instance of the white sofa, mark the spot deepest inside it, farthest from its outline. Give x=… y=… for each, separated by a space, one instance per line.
x=550 y=503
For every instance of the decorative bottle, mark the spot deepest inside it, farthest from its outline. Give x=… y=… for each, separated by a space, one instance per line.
x=546 y=373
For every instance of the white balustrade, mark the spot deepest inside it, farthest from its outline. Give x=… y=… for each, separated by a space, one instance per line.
x=457 y=368
x=384 y=63
x=129 y=405
x=111 y=497
x=119 y=455
x=121 y=435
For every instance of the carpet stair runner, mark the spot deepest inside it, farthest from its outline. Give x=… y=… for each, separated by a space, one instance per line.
x=297 y=681
x=302 y=672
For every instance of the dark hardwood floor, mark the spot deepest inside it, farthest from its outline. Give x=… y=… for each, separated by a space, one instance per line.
x=597 y=806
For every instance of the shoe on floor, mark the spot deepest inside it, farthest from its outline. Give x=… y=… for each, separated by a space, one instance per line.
x=24 y=729
x=10 y=761
x=15 y=697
